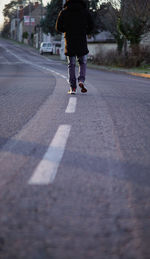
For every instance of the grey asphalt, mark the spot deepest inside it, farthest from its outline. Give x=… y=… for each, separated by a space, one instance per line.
x=99 y=203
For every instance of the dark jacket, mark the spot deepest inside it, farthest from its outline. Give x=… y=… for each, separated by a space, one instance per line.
x=75 y=22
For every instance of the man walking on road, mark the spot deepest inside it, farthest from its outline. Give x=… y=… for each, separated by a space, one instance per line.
x=75 y=22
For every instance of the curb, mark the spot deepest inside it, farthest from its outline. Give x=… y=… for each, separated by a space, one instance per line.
x=140 y=74
x=108 y=69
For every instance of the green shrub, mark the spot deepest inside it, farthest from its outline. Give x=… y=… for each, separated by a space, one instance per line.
x=25 y=35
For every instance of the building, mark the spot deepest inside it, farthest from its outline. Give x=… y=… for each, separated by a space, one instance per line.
x=26 y=28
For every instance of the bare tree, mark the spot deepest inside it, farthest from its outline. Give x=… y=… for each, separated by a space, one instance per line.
x=109 y=15
x=134 y=20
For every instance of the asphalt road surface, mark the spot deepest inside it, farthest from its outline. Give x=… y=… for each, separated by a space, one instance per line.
x=74 y=170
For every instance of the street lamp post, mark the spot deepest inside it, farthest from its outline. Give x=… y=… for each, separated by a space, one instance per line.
x=62 y=55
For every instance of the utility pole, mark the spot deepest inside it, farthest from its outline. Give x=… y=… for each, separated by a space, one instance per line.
x=41 y=33
x=62 y=55
x=17 y=34
x=30 y=22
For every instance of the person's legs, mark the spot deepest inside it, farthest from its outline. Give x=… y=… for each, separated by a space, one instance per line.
x=82 y=72
x=82 y=68
x=71 y=71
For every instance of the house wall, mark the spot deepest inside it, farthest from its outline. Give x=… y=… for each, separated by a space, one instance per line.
x=36 y=14
x=47 y=37
x=96 y=48
x=146 y=39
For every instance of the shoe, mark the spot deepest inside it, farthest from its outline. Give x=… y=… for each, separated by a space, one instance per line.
x=72 y=91
x=83 y=88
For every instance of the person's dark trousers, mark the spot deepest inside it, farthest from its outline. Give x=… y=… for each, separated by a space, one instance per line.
x=71 y=70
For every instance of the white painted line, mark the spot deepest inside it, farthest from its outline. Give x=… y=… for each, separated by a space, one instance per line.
x=63 y=76
x=57 y=73
x=71 y=108
x=47 y=169
x=35 y=65
x=10 y=63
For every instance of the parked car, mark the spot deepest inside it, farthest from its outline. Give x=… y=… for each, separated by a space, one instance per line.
x=46 y=47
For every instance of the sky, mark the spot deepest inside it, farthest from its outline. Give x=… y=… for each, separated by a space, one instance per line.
x=2 y=4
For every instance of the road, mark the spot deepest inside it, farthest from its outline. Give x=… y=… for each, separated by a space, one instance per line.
x=74 y=170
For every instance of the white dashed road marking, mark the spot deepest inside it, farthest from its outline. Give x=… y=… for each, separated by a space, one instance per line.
x=47 y=169
x=71 y=108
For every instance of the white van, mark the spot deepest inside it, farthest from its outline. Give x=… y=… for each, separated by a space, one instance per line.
x=46 y=47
